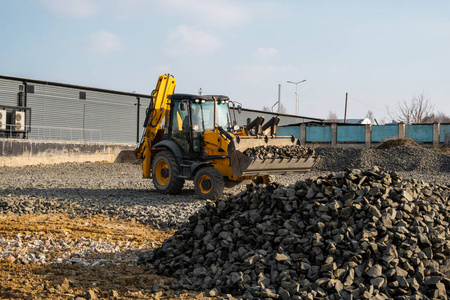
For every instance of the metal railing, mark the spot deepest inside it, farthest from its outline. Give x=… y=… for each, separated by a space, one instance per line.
x=53 y=133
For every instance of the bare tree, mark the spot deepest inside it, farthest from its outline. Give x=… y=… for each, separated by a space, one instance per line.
x=417 y=110
x=439 y=117
x=281 y=109
x=332 y=117
x=381 y=121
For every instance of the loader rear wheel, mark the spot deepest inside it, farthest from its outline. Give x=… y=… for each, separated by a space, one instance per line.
x=165 y=171
x=209 y=183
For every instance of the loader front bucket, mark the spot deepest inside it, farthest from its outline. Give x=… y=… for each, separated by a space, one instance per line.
x=279 y=166
x=242 y=165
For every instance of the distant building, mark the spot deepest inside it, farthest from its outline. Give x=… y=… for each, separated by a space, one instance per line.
x=352 y=121
x=42 y=110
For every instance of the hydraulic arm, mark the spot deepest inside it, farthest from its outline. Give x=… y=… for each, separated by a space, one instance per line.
x=158 y=108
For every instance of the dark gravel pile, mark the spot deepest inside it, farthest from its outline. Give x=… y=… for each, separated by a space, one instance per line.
x=403 y=158
x=349 y=235
x=268 y=152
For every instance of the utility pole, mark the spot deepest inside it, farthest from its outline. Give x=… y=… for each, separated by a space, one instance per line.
x=279 y=98
x=345 y=114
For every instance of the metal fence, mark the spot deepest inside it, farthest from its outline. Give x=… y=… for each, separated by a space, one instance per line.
x=54 y=133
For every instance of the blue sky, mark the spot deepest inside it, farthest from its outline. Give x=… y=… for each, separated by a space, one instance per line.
x=380 y=52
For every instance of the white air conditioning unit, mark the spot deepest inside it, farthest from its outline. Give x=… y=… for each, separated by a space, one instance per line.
x=19 y=119
x=2 y=119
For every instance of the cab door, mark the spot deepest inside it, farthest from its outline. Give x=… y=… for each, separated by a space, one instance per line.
x=180 y=125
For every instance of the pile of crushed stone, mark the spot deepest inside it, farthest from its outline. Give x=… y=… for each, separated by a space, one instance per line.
x=349 y=235
x=270 y=152
x=403 y=158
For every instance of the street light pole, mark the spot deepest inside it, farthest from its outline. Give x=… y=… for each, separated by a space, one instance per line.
x=297 y=104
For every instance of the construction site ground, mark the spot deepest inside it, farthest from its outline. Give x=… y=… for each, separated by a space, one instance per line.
x=122 y=279
x=75 y=230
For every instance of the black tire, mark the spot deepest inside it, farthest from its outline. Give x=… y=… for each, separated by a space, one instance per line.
x=209 y=183
x=165 y=172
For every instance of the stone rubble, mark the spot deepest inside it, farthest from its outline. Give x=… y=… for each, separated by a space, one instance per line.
x=349 y=235
x=404 y=158
x=270 y=152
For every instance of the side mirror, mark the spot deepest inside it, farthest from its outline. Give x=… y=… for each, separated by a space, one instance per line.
x=183 y=106
x=239 y=109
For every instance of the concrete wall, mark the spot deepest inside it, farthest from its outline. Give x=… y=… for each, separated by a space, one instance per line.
x=350 y=134
x=444 y=135
x=420 y=133
x=381 y=133
x=318 y=134
x=357 y=135
x=29 y=152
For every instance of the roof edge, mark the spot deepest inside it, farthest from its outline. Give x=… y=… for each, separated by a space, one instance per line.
x=28 y=80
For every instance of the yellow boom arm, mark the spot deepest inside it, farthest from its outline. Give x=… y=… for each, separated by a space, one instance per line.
x=159 y=107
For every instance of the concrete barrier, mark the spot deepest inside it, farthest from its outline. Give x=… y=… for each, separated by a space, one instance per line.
x=15 y=152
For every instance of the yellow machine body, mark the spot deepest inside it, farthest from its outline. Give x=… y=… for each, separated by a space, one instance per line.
x=193 y=144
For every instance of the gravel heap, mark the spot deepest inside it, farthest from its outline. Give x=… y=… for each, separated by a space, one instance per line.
x=265 y=152
x=403 y=158
x=352 y=235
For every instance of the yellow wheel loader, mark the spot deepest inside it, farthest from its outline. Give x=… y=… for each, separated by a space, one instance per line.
x=193 y=137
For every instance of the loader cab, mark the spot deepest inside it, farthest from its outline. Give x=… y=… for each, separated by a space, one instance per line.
x=192 y=115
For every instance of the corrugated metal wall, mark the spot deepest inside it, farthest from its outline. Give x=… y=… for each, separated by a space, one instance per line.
x=76 y=113
x=114 y=114
x=9 y=92
x=54 y=106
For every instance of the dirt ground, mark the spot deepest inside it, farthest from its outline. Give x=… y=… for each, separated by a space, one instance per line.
x=122 y=279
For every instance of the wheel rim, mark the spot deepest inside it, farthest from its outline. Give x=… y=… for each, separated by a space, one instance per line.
x=205 y=184
x=162 y=172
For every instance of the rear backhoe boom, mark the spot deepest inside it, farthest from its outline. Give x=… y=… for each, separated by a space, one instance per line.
x=156 y=112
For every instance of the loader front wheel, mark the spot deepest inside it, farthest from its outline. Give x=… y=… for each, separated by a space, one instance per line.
x=165 y=171
x=209 y=183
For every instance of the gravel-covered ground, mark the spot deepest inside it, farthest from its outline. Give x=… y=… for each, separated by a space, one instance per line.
x=119 y=189
x=81 y=190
